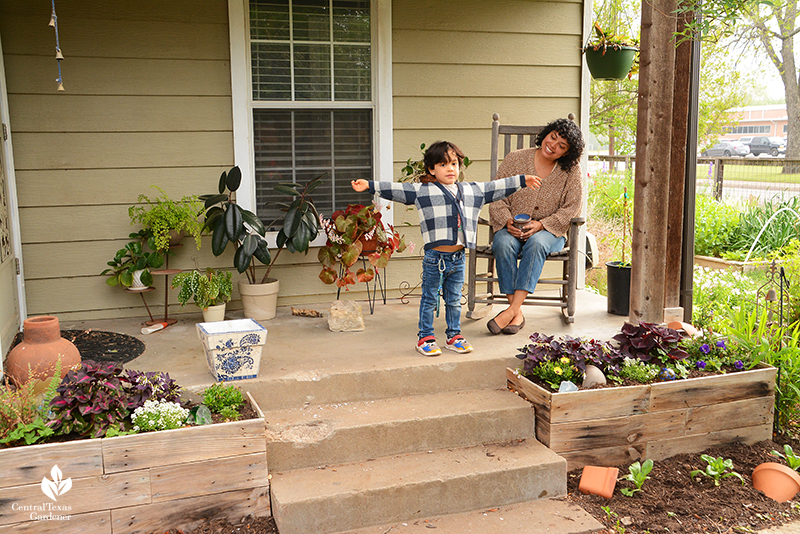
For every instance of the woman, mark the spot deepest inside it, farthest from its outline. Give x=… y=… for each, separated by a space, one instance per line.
x=555 y=160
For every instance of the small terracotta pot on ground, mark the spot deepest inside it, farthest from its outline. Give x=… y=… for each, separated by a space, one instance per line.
x=598 y=480
x=776 y=481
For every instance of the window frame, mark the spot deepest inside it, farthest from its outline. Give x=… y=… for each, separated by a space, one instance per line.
x=242 y=101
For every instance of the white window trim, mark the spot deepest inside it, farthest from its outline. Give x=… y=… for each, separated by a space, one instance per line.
x=241 y=93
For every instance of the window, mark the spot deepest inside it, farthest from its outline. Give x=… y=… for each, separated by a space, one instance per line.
x=312 y=104
x=751 y=130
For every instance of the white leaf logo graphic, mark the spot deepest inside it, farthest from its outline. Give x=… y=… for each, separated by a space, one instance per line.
x=57 y=486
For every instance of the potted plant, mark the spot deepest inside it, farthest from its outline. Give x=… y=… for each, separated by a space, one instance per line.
x=611 y=56
x=619 y=271
x=229 y=223
x=353 y=232
x=168 y=220
x=415 y=170
x=131 y=265
x=209 y=291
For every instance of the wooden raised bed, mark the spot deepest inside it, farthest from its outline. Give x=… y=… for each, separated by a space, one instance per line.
x=140 y=483
x=612 y=426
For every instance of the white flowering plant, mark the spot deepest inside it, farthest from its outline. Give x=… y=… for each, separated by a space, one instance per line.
x=158 y=415
x=717 y=292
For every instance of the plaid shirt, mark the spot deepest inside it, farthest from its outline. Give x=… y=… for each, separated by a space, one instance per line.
x=439 y=210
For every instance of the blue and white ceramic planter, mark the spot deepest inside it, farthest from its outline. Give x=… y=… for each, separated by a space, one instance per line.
x=233 y=348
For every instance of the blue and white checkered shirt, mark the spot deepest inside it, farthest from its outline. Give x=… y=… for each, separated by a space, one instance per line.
x=439 y=209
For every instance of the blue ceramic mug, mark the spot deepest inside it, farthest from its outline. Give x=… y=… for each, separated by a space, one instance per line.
x=521 y=220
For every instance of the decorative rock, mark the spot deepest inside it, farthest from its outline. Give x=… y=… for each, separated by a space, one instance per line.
x=666 y=374
x=567 y=386
x=345 y=316
x=686 y=327
x=593 y=377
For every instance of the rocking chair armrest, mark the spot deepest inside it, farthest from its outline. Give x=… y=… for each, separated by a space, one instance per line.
x=578 y=220
x=483 y=221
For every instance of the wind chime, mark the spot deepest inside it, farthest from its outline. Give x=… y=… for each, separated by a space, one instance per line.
x=773 y=296
x=59 y=56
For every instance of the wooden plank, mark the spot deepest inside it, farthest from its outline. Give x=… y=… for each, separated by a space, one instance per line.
x=28 y=465
x=713 y=389
x=490 y=80
x=119 y=76
x=716 y=417
x=539 y=397
x=116 y=150
x=184 y=445
x=126 y=113
x=187 y=514
x=94 y=522
x=598 y=433
x=88 y=494
x=665 y=448
x=604 y=456
x=209 y=476
x=34 y=187
x=80 y=223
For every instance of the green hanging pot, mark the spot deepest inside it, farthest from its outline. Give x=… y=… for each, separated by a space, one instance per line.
x=610 y=63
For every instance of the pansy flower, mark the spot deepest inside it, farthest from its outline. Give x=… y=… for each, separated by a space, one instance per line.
x=739 y=365
x=701 y=364
x=705 y=349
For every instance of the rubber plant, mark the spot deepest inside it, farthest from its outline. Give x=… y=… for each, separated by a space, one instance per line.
x=229 y=223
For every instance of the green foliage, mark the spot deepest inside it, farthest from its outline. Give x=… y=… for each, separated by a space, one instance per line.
x=218 y=396
x=715 y=225
x=717 y=469
x=158 y=415
x=637 y=474
x=209 y=289
x=229 y=223
x=229 y=413
x=29 y=433
x=789 y=456
x=414 y=170
x=162 y=214
x=553 y=372
x=638 y=371
x=24 y=410
x=779 y=233
x=718 y=291
x=610 y=197
x=130 y=259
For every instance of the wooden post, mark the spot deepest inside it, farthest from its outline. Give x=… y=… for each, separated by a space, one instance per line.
x=653 y=148
x=680 y=124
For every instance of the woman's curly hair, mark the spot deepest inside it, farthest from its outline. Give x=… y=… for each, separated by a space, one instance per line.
x=571 y=134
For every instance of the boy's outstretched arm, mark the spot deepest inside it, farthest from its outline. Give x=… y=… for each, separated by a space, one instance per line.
x=363 y=185
x=532 y=181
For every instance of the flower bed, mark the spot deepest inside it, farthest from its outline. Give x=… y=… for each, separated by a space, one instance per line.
x=611 y=426
x=138 y=483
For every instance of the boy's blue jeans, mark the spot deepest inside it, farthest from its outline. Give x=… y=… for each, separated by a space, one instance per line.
x=532 y=254
x=451 y=265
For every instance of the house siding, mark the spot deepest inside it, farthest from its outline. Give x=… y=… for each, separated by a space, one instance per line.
x=148 y=102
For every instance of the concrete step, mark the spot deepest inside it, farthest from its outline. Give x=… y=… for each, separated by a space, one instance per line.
x=415 y=485
x=331 y=386
x=319 y=435
x=543 y=516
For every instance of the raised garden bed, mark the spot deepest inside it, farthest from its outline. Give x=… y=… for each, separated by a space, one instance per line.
x=140 y=483
x=615 y=425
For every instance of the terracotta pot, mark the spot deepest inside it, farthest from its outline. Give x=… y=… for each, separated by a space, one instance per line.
x=259 y=301
x=42 y=346
x=776 y=481
x=599 y=480
x=368 y=246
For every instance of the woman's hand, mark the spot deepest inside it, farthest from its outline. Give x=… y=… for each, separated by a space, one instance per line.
x=532 y=181
x=359 y=185
x=526 y=231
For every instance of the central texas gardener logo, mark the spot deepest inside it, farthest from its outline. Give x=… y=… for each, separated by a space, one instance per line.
x=57 y=486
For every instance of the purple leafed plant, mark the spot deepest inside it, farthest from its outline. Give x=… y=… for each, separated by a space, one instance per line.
x=143 y=386
x=646 y=341
x=581 y=352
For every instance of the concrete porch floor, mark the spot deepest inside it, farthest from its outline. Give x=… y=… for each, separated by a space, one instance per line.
x=305 y=347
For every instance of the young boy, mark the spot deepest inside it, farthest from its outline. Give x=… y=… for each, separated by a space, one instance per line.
x=448 y=219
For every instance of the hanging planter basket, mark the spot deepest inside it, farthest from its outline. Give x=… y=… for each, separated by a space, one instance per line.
x=610 y=63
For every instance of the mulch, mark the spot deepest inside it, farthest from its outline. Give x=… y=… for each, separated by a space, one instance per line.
x=100 y=346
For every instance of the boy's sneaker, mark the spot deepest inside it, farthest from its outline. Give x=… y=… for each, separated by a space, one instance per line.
x=428 y=346
x=458 y=344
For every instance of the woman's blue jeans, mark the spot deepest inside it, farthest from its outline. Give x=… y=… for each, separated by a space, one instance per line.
x=451 y=265
x=531 y=253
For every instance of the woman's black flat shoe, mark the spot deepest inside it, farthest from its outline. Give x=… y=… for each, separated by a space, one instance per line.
x=493 y=327
x=513 y=328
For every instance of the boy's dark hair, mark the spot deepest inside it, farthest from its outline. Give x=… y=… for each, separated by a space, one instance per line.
x=439 y=152
x=571 y=134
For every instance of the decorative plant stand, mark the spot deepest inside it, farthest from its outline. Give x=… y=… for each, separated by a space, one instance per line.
x=147 y=482
x=611 y=426
x=377 y=283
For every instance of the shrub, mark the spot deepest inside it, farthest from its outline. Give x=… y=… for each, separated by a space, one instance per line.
x=775 y=236
x=716 y=292
x=714 y=226
x=606 y=195
x=217 y=397
x=24 y=410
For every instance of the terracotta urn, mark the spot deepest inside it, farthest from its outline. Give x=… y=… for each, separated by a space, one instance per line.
x=42 y=346
x=776 y=481
x=598 y=480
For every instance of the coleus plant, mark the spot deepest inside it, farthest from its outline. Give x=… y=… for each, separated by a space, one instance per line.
x=646 y=341
x=581 y=352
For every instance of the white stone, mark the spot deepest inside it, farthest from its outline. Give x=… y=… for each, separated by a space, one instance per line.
x=593 y=377
x=345 y=316
x=567 y=386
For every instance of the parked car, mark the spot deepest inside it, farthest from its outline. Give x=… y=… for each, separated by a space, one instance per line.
x=726 y=149
x=746 y=140
x=767 y=145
